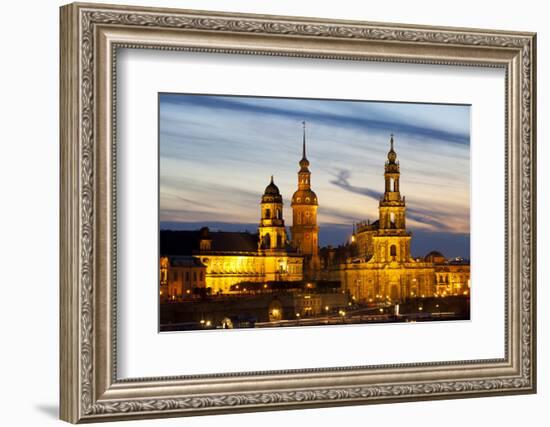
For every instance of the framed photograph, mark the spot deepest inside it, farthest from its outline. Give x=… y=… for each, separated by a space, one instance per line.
x=266 y=212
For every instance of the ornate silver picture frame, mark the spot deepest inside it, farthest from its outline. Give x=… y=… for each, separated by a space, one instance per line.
x=91 y=36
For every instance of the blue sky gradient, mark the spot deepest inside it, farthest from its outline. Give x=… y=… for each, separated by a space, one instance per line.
x=217 y=154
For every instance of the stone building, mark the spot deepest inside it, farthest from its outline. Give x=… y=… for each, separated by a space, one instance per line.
x=377 y=264
x=180 y=276
x=231 y=258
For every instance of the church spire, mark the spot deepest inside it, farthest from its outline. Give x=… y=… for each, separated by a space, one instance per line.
x=304 y=141
x=392 y=155
x=304 y=163
x=305 y=231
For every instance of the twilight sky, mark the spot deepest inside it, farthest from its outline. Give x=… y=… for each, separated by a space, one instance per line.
x=217 y=154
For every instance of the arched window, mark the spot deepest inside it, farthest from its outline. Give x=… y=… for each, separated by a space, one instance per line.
x=268 y=213
x=267 y=241
x=279 y=241
x=299 y=219
x=393 y=251
x=392 y=218
x=278 y=213
x=392 y=184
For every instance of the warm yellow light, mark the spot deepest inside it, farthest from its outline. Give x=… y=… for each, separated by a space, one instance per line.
x=188 y=291
x=420 y=308
x=202 y=321
x=297 y=314
x=265 y=286
x=326 y=308
x=208 y=323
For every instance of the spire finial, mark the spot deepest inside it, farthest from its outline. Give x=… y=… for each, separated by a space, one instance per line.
x=271 y=179
x=392 y=155
x=304 y=140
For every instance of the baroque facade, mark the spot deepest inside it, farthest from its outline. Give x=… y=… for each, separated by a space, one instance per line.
x=234 y=258
x=377 y=264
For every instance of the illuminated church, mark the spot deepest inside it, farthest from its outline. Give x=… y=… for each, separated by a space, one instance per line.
x=231 y=259
x=375 y=265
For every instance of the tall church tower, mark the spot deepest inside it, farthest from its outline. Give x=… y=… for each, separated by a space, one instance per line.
x=305 y=232
x=392 y=242
x=272 y=225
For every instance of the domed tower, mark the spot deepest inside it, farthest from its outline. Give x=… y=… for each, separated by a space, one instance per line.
x=305 y=232
x=272 y=225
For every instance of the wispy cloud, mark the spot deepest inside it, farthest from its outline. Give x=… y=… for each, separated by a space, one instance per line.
x=342 y=177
